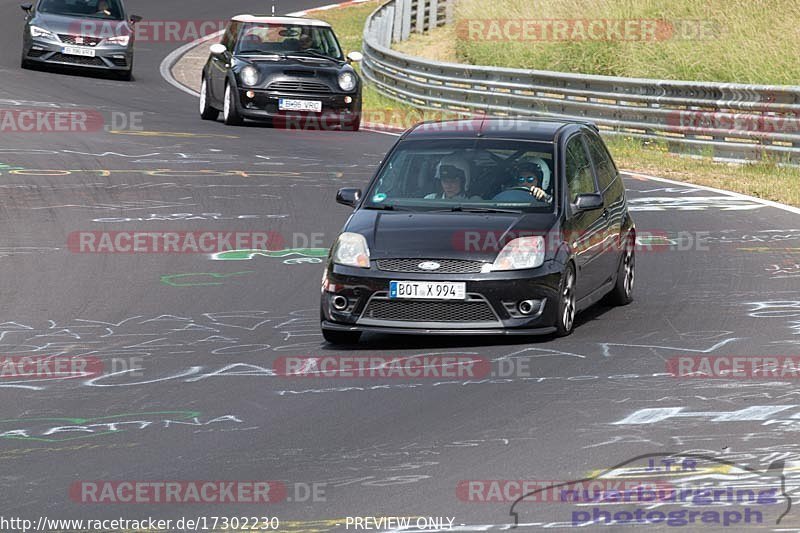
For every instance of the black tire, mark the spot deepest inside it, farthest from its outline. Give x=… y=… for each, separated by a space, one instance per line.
x=622 y=293
x=24 y=63
x=352 y=123
x=341 y=337
x=565 y=321
x=206 y=111
x=231 y=114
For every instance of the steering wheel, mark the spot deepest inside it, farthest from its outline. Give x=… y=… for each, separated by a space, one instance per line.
x=526 y=189
x=547 y=197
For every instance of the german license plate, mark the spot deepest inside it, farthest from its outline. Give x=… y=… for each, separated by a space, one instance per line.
x=285 y=104
x=78 y=51
x=427 y=290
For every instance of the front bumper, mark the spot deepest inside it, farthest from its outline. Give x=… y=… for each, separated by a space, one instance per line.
x=264 y=105
x=491 y=307
x=107 y=57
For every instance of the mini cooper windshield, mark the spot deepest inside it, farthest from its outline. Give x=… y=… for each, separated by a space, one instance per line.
x=487 y=175
x=286 y=39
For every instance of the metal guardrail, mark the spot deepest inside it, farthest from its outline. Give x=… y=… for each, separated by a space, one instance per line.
x=725 y=120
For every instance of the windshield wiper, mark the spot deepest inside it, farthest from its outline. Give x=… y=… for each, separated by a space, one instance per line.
x=461 y=208
x=314 y=53
x=387 y=207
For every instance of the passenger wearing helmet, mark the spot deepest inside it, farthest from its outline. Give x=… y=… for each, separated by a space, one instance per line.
x=452 y=180
x=453 y=173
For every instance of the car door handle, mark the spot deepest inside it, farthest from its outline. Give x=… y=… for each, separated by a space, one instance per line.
x=605 y=213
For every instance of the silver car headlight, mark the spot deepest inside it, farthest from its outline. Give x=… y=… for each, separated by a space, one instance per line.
x=520 y=254
x=41 y=33
x=249 y=76
x=121 y=40
x=351 y=250
x=347 y=81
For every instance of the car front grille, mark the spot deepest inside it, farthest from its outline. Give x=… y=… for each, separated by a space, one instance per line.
x=35 y=53
x=119 y=61
x=77 y=60
x=84 y=41
x=474 y=310
x=299 y=86
x=446 y=266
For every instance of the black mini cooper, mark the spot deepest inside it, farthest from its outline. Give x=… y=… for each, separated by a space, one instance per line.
x=492 y=226
x=287 y=70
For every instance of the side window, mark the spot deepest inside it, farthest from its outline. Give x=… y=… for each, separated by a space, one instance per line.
x=579 y=169
x=604 y=166
x=229 y=37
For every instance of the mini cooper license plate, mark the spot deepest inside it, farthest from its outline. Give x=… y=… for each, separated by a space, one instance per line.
x=427 y=290
x=78 y=51
x=285 y=104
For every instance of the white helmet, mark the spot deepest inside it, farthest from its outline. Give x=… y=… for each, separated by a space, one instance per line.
x=458 y=162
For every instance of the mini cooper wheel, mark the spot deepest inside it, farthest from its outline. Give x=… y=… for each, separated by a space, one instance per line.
x=566 y=303
x=622 y=293
x=229 y=113
x=206 y=111
x=341 y=337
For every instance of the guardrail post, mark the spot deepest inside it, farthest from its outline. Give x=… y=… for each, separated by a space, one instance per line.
x=406 y=29
x=449 y=11
x=397 y=23
x=421 y=6
x=433 y=17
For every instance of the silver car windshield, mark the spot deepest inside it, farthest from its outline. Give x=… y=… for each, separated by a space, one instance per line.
x=286 y=39
x=103 y=9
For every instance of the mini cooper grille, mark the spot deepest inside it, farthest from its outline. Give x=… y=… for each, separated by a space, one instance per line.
x=447 y=266
x=77 y=60
x=424 y=311
x=79 y=40
x=299 y=86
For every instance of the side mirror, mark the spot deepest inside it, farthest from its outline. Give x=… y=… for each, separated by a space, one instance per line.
x=355 y=57
x=135 y=19
x=589 y=202
x=27 y=8
x=218 y=50
x=348 y=197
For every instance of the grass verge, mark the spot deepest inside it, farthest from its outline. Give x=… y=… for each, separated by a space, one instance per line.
x=762 y=180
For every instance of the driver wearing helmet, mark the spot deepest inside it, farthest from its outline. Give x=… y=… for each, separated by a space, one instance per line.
x=533 y=174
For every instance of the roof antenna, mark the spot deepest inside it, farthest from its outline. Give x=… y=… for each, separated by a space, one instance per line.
x=273 y=8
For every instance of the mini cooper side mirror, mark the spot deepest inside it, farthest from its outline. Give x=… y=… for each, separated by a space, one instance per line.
x=348 y=197
x=218 y=50
x=355 y=57
x=589 y=202
x=27 y=8
x=135 y=19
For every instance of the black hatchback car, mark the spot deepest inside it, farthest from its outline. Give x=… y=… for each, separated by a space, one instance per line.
x=91 y=34
x=281 y=69
x=493 y=226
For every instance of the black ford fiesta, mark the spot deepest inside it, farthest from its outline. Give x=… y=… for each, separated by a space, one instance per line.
x=286 y=70
x=493 y=226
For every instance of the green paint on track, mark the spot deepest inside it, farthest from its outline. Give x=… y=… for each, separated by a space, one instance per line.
x=295 y=255
x=196 y=279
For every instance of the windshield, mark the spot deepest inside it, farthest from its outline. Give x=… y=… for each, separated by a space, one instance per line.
x=105 y=9
x=479 y=175
x=286 y=39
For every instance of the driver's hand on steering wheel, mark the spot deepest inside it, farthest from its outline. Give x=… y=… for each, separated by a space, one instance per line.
x=538 y=193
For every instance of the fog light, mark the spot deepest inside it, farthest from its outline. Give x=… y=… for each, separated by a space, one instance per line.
x=526 y=307
x=348 y=99
x=339 y=302
x=251 y=94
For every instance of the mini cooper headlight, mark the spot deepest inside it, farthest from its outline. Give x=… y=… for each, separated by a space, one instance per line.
x=351 y=250
x=347 y=81
x=519 y=254
x=249 y=76
x=41 y=33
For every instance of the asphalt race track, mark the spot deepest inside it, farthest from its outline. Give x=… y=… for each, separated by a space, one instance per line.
x=206 y=332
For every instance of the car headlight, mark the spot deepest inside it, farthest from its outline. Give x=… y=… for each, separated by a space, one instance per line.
x=249 y=75
x=351 y=250
x=519 y=254
x=347 y=81
x=121 y=40
x=42 y=33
